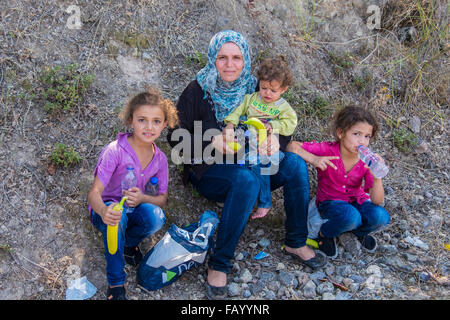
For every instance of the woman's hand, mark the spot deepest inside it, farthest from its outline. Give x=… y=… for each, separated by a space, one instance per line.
x=110 y=216
x=269 y=146
x=134 y=196
x=323 y=162
x=219 y=143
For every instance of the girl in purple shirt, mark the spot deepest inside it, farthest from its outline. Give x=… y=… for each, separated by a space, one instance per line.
x=147 y=114
x=345 y=183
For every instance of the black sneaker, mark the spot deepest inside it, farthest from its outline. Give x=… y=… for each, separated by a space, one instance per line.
x=369 y=243
x=328 y=246
x=132 y=255
x=116 y=293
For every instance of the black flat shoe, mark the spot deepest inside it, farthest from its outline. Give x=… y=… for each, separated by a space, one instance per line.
x=132 y=255
x=215 y=293
x=116 y=293
x=318 y=261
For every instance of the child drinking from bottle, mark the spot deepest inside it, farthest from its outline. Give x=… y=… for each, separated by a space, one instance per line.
x=146 y=114
x=344 y=180
x=275 y=112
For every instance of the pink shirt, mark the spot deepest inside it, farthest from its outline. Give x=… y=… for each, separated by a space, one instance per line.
x=111 y=168
x=339 y=184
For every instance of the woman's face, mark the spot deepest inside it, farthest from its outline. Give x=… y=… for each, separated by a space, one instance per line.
x=229 y=62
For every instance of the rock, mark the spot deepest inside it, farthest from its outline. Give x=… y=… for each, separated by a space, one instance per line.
x=388 y=249
x=309 y=290
x=234 y=289
x=344 y=270
x=247 y=294
x=267 y=277
x=239 y=256
x=245 y=276
x=288 y=279
x=343 y=295
x=373 y=269
x=270 y=295
x=256 y=288
x=280 y=266
x=414 y=123
x=350 y=243
x=415 y=241
x=328 y=296
x=424 y=276
x=422 y=147
x=317 y=275
x=264 y=242
x=324 y=287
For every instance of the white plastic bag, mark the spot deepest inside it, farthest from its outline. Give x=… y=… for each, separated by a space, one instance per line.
x=315 y=221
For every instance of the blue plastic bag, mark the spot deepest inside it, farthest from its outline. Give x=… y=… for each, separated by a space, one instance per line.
x=179 y=250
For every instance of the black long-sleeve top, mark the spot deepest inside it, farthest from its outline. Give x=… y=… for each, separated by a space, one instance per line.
x=193 y=107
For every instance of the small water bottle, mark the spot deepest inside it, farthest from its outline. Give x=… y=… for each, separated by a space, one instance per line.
x=129 y=181
x=152 y=187
x=378 y=168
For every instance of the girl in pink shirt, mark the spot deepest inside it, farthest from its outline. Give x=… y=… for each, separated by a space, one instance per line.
x=147 y=114
x=348 y=195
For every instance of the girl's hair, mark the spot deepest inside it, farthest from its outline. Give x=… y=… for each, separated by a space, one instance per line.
x=151 y=97
x=276 y=69
x=347 y=117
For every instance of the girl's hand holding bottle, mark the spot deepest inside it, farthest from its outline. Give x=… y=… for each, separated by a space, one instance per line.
x=134 y=196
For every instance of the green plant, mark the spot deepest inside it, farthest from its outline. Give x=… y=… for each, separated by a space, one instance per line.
x=404 y=140
x=62 y=88
x=197 y=58
x=63 y=155
x=341 y=61
x=306 y=27
x=361 y=82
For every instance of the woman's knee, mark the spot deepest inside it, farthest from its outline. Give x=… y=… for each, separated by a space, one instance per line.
x=246 y=181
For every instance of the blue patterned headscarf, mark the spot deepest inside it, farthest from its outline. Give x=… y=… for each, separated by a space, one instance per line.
x=225 y=95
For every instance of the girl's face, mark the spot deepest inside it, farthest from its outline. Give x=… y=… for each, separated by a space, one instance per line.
x=229 y=62
x=271 y=91
x=147 y=123
x=358 y=134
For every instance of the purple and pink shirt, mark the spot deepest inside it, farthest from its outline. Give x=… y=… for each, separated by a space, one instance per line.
x=112 y=167
x=339 y=184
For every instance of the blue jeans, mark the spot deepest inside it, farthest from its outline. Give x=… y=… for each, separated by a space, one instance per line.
x=239 y=188
x=343 y=216
x=141 y=222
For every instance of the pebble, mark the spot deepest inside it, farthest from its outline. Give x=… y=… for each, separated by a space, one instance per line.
x=415 y=241
x=309 y=290
x=288 y=279
x=389 y=249
x=234 y=289
x=256 y=288
x=245 y=276
x=264 y=242
x=324 y=287
x=328 y=296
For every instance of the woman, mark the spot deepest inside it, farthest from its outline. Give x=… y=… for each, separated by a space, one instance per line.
x=217 y=90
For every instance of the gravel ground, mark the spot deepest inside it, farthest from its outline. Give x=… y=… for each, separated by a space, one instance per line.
x=46 y=238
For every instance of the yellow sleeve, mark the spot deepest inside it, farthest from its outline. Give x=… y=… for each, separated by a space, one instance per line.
x=286 y=122
x=239 y=111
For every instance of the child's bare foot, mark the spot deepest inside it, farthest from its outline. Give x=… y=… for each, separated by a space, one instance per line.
x=260 y=212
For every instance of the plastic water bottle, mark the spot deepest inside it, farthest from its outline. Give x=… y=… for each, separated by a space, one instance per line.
x=129 y=181
x=152 y=187
x=207 y=225
x=378 y=168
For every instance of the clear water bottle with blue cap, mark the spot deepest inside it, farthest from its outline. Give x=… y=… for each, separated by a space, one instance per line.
x=129 y=181
x=152 y=187
x=378 y=168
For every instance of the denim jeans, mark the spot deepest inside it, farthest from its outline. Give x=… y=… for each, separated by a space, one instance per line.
x=141 y=222
x=262 y=171
x=343 y=216
x=239 y=188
